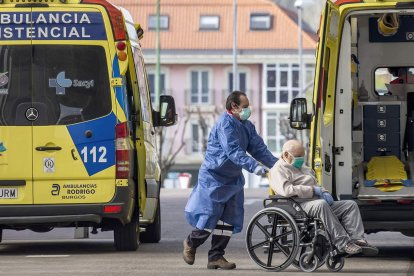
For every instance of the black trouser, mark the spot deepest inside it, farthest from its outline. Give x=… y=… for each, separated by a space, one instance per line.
x=220 y=239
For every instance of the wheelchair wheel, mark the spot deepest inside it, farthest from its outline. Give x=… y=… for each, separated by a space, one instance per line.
x=272 y=239
x=335 y=264
x=308 y=262
x=321 y=249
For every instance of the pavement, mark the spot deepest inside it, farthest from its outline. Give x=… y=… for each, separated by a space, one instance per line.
x=58 y=253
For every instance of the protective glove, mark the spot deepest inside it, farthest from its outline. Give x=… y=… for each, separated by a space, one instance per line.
x=260 y=171
x=328 y=198
x=317 y=191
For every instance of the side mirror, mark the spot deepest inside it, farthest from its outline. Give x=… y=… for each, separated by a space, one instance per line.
x=139 y=30
x=167 y=115
x=299 y=118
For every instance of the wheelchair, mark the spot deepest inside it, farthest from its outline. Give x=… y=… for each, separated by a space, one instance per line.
x=283 y=234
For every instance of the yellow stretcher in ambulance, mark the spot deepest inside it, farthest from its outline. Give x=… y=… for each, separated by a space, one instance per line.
x=77 y=143
x=361 y=113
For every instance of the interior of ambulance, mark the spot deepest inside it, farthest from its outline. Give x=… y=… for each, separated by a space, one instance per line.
x=382 y=118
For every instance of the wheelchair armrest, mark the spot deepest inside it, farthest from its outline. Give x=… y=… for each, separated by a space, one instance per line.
x=294 y=200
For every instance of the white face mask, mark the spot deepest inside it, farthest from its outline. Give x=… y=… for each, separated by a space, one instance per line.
x=244 y=113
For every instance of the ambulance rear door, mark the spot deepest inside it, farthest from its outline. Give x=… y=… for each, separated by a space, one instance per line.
x=74 y=135
x=16 y=112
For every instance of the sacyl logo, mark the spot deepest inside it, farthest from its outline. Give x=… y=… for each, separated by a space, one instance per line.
x=61 y=83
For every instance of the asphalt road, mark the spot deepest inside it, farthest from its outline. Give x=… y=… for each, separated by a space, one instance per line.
x=57 y=253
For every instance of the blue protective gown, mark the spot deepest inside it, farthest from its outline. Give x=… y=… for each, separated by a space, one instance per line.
x=218 y=194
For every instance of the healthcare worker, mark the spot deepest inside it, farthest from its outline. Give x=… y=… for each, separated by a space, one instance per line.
x=216 y=203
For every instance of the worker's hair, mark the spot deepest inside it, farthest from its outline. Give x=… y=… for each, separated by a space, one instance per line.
x=234 y=97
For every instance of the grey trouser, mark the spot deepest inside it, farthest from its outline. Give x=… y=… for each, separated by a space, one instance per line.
x=342 y=219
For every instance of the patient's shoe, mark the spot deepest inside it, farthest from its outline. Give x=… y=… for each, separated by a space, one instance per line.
x=351 y=248
x=367 y=249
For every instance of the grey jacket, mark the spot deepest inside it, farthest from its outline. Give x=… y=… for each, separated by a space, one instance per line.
x=288 y=181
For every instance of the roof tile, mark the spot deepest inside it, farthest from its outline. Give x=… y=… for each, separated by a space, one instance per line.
x=184 y=33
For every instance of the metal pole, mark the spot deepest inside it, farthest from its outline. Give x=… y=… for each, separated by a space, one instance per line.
x=235 y=79
x=300 y=52
x=158 y=69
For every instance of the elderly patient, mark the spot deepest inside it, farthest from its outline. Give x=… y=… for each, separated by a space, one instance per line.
x=342 y=220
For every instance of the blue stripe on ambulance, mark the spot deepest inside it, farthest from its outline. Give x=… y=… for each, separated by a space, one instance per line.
x=120 y=92
x=52 y=26
x=98 y=151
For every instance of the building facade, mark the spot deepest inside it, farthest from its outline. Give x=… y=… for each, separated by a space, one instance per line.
x=196 y=39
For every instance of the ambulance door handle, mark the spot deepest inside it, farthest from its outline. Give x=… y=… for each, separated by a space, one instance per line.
x=73 y=154
x=47 y=148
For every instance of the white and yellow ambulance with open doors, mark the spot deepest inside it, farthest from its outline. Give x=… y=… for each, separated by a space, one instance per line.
x=77 y=139
x=361 y=114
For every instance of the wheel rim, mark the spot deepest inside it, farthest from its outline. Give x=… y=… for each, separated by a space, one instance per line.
x=308 y=262
x=272 y=239
x=335 y=264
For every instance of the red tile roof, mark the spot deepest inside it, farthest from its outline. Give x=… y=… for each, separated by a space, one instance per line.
x=184 y=33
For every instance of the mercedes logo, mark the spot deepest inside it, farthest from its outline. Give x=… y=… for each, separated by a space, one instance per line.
x=32 y=114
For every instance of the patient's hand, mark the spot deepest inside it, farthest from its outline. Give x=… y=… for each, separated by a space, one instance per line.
x=328 y=198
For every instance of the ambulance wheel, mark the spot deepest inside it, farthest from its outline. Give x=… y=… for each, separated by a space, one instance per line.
x=126 y=237
x=152 y=232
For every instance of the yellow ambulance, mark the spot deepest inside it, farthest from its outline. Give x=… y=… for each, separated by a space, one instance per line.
x=361 y=113
x=77 y=137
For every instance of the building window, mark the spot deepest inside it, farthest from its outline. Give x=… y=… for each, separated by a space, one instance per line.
x=195 y=138
x=200 y=92
x=209 y=22
x=278 y=131
x=242 y=79
x=260 y=21
x=153 y=86
x=282 y=83
x=164 y=22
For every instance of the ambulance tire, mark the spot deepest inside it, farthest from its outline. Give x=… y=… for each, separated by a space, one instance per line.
x=152 y=232
x=126 y=237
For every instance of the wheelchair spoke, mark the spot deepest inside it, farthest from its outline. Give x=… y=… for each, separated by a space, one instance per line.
x=283 y=249
x=263 y=229
x=258 y=245
x=274 y=225
x=283 y=235
x=270 y=254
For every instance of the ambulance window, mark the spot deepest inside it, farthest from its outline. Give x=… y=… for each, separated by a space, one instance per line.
x=142 y=85
x=15 y=84
x=394 y=81
x=68 y=83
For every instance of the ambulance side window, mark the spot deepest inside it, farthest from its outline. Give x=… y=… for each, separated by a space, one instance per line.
x=142 y=85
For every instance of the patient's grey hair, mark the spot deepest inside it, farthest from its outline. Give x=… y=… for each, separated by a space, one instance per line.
x=292 y=146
